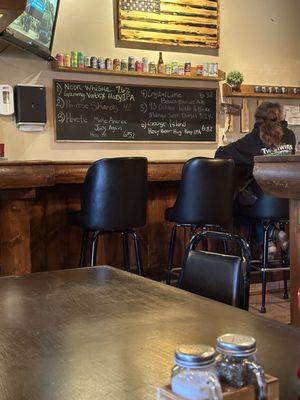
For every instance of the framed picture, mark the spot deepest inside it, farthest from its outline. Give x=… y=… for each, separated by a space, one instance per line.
x=172 y=23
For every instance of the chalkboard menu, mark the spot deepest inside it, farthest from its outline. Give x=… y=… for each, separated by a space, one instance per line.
x=87 y=111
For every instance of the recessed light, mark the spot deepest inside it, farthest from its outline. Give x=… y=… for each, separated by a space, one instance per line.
x=1 y=15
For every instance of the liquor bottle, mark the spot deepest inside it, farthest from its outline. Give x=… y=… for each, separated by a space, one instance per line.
x=160 y=64
x=245 y=117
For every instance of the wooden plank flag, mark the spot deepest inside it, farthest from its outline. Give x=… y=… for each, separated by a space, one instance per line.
x=170 y=22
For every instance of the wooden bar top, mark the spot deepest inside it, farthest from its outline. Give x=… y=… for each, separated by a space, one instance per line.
x=28 y=174
x=278 y=175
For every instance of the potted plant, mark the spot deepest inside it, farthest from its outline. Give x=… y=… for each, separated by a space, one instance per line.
x=235 y=79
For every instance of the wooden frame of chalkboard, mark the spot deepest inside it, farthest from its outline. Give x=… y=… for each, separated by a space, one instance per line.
x=84 y=112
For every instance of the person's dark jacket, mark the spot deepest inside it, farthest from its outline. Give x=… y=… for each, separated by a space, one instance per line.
x=245 y=149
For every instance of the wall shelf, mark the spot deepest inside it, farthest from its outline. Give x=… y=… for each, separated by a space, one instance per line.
x=249 y=91
x=193 y=76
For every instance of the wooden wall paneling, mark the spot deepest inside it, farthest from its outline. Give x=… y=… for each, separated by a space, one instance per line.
x=74 y=233
x=162 y=195
x=38 y=232
x=295 y=259
x=15 y=256
x=57 y=222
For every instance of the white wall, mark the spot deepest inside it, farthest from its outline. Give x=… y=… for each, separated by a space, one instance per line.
x=258 y=37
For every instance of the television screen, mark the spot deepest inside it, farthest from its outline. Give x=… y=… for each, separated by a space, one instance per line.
x=34 y=29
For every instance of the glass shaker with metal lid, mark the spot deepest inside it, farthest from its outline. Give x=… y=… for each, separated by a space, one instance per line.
x=194 y=376
x=237 y=364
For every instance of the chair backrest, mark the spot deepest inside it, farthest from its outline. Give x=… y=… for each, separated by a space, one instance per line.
x=266 y=207
x=206 y=192
x=216 y=276
x=220 y=277
x=114 y=195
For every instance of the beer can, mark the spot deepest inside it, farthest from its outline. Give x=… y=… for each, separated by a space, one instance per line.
x=145 y=64
x=215 y=69
x=87 y=62
x=131 y=63
x=117 y=64
x=152 y=67
x=205 y=69
x=109 y=64
x=124 y=65
x=101 y=63
x=181 y=69
x=174 y=67
x=199 y=69
x=94 y=62
x=67 y=60
x=168 y=69
x=74 y=59
x=60 y=59
x=187 y=68
x=80 y=60
x=138 y=66
x=74 y=54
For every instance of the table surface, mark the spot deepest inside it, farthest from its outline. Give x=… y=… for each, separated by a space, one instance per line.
x=102 y=333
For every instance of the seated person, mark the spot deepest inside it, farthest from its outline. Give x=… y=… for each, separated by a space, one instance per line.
x=270 y=136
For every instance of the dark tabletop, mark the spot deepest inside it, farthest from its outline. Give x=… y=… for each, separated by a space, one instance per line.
x=101 y=333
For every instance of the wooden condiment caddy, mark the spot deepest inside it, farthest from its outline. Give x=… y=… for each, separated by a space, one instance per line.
x=246 y=393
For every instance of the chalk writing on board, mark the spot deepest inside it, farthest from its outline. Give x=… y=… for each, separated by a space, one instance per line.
x=97 y=111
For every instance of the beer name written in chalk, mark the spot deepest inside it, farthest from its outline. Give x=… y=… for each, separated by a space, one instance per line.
x=98 y=111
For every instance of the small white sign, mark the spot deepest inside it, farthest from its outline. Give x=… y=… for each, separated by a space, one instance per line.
x=292 y=114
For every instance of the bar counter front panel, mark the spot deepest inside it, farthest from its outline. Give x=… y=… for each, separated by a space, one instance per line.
x=37 y=198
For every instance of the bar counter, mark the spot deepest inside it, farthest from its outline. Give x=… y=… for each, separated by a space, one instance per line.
x=280 y=176
x=37 y=198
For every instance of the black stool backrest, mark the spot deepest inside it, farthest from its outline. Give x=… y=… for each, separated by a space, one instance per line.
x=220 y=277
x=114 y=196
x=206 y=192
x=266 y=207
x=216 y=276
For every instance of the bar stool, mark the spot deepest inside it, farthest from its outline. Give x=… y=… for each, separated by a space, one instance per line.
x=114 y=199
x=205 y=199
x=267 y=210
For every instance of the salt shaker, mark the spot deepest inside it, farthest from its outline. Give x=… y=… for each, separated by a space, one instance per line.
x=237 y=364
x=194 y=375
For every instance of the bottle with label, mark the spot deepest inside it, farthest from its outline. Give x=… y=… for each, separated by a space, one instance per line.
x=160 y=64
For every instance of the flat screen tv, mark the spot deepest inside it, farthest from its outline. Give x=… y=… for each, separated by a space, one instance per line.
x=34 y=29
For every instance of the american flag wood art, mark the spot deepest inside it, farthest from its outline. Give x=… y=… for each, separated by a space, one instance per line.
x=170 y=22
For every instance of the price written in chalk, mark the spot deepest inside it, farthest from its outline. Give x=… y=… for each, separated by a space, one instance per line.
x=96 y=111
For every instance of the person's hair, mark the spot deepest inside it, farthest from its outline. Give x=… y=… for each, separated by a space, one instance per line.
x=269 y=115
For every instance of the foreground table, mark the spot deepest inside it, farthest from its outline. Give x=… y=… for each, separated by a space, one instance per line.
x=280 y=176
x=102 y=333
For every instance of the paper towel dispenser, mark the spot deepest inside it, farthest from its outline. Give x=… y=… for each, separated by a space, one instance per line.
x=30 y=107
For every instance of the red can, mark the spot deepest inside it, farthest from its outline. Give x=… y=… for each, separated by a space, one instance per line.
x=138 y=66
x=187 y=68
x=60 y=59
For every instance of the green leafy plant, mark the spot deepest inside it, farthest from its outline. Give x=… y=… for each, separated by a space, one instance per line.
x=235 y=79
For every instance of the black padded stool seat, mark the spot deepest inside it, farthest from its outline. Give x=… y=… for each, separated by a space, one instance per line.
x=220 y=277
x=205 y=198
x=266 y=210
x=114 y=199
